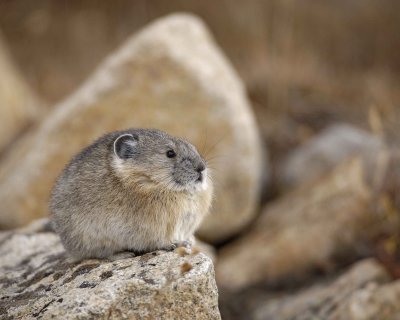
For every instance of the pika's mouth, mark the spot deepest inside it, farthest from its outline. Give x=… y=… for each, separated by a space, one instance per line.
x=200 y=178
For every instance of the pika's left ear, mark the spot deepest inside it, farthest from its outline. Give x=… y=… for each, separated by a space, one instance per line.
x=125 y=146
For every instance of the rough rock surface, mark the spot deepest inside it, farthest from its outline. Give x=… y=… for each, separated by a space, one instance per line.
x=38 y=281
x=19 y=107
x=313 y=227
x=323 y=152
x=170 y=76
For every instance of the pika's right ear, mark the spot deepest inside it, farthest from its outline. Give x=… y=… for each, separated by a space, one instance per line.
x=125 y=146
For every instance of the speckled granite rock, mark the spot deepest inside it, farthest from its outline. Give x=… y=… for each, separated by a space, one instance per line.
x=38 y=281
x=170 y=76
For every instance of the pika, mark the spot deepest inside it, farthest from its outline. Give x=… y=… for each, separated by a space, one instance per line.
x=136 y=190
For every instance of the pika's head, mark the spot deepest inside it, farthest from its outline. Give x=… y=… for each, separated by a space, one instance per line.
x=152 y=159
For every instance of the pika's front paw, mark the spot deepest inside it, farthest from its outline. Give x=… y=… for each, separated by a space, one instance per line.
x=176 y=244
x=186 y=244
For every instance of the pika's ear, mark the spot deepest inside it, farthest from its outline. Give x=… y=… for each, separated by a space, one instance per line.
x=125 y=146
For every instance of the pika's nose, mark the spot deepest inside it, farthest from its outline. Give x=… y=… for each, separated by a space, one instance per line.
x=201 y=167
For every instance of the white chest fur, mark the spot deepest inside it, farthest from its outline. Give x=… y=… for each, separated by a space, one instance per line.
x=188 y=220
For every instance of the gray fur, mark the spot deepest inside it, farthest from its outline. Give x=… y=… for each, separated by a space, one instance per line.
x=123 y=193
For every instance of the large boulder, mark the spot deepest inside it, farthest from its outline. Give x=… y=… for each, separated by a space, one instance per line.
x=316 y=226
x=19 y=107
x=171 y=76
x=37 y=280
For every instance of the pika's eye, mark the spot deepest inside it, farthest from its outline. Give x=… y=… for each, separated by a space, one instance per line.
x=171 y=154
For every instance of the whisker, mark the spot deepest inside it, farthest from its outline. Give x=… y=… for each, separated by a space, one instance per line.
x=204 y=144
x=212 y=148
x=216 y=157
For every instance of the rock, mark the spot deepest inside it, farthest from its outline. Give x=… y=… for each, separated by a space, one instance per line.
x=373 y=302
x=325 y=151
x=314 y=227
x=170 y=76
x=19 y=107
x=348 y=297
x=38 y=281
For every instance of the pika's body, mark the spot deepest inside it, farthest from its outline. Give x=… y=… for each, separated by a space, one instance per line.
x=136 y=190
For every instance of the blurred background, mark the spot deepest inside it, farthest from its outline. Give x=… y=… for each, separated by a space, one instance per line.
x=306 y=65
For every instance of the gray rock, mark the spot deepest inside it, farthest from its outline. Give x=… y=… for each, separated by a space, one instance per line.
x=170 y=76
x=323 y=152
x=38 y=281
x=316 y=226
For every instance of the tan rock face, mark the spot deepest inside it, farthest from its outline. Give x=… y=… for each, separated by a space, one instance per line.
x=36 y=280
x=309 y=227
x=19 y=108
x=172 y=77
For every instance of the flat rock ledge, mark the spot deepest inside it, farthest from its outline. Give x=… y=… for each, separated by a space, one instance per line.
x=37 y=281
